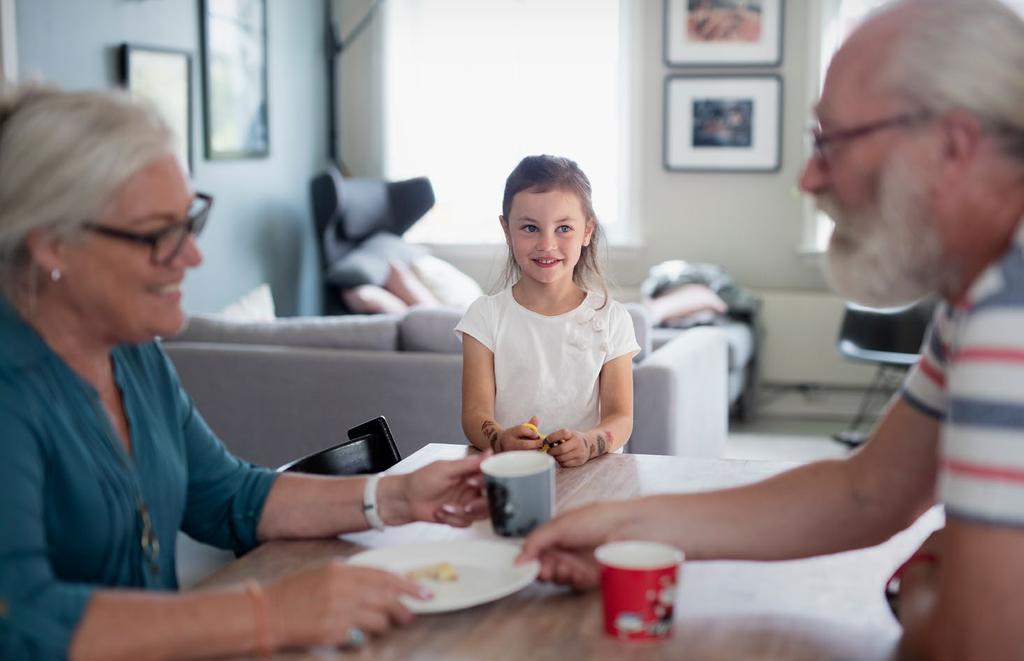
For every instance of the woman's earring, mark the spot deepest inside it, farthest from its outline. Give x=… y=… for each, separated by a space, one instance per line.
x=55 y=275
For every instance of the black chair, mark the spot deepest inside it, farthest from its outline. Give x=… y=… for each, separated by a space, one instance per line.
x=370 y=449
x=358 y=224
x=889 y=338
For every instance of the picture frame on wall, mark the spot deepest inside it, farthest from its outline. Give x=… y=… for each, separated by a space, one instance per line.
x=723 y=123
x=709 y=33
x=163 y=76
x=234 y=38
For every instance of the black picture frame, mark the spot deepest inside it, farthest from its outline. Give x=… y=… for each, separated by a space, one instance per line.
x=727 y=123
x=163 y=76
x=235 y=107
x=725 y=43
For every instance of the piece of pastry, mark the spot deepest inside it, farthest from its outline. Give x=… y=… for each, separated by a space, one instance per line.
x=441 y=571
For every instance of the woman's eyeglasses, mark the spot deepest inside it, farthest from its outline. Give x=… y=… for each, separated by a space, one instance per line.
x=165 y=244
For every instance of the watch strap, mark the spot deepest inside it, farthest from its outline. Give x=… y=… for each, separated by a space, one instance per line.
x=370 y=508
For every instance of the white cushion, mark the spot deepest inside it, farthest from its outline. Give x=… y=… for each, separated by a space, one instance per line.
x=257 y=305
x=448 y=284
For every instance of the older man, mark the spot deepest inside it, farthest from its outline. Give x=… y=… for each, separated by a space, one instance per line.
x=919 y=158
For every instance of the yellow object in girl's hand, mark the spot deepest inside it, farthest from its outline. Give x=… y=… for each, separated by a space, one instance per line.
x=545 y=446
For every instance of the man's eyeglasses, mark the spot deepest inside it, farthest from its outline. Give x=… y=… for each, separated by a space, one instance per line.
x=165 y=244
x=824 y=141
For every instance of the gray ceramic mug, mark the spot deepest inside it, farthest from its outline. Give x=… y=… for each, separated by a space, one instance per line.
x=520 y=491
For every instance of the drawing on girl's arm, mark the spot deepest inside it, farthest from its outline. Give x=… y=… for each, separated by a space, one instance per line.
x=490 y=431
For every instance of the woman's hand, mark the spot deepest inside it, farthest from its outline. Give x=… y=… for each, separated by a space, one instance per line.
x=570 y=447
x=520 y=437
x=321 y=605
x=565 y=546
x=448 y=492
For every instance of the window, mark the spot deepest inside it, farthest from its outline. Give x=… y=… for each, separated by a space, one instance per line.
x=471 y=87
x=838 y=19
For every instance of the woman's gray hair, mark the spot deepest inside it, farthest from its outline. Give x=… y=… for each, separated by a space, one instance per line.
x=63 y=155
x=964 y=54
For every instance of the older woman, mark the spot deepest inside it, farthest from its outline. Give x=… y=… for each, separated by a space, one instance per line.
x=103 y=456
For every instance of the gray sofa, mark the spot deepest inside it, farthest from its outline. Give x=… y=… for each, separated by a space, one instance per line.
x=274 y=391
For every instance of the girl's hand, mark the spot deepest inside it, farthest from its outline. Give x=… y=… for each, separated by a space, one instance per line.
x=448 y=492
x=320 y=606
x=570 y=447
x=520 y=437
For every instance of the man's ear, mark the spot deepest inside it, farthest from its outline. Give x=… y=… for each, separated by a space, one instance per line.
x=962 y=135
x=46 y=249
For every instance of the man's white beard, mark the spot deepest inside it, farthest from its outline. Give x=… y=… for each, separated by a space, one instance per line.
x=891 y=255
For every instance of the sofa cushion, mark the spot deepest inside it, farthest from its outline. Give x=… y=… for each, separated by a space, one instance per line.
x=430 y=329
x=447 y=283
x=369 y=333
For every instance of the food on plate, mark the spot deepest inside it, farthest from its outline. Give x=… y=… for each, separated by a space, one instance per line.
x=440 y=571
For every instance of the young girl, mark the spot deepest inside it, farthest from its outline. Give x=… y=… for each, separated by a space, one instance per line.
x=548 y=353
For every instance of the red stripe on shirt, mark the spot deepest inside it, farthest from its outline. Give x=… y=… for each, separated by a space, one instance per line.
x=982 y=471
x=933 y=373
x=990 y=354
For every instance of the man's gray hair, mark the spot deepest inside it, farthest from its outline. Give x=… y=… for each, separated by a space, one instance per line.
x=964 y=54
x=63 y=155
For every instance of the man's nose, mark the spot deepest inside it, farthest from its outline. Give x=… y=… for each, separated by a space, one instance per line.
x=813 y=178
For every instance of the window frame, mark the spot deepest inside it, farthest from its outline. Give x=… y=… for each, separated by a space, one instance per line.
x=8 y=42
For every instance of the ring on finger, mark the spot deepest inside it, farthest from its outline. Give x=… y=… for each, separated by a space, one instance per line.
x=355 y=638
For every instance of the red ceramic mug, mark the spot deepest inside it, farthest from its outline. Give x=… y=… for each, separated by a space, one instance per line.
x=638 y=588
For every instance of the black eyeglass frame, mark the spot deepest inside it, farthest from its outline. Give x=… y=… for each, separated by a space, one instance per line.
x=822 y=139
x=192 y=226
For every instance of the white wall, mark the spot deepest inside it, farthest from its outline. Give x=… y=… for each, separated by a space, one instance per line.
x=751 y=224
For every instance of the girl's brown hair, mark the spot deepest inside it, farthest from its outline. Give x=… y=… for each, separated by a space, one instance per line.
x=543 y=173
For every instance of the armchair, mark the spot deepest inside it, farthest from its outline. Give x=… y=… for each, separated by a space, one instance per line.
x=358 y=224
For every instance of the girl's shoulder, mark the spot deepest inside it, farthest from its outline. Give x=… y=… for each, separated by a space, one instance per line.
x=490 y=304
x=606 y=305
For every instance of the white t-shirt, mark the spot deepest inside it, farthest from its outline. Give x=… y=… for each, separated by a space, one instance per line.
x=549 y=366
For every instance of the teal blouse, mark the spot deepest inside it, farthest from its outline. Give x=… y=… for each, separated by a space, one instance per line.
x=74 y=504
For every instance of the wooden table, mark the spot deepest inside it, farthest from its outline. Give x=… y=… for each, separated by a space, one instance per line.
x=827 y=607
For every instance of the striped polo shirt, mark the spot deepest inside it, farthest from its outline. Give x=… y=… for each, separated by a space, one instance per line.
x=971 y=376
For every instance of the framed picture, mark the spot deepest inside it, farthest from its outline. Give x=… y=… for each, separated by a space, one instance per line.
x=723 y=123
x=701 y=33
x=164 y=77
x=235 y=78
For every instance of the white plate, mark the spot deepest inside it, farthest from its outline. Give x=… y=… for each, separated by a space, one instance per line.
x=486 y=571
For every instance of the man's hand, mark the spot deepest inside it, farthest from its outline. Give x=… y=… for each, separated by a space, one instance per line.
x=565 y=546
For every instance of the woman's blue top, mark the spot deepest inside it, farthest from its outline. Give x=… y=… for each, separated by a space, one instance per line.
x=74 y=503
